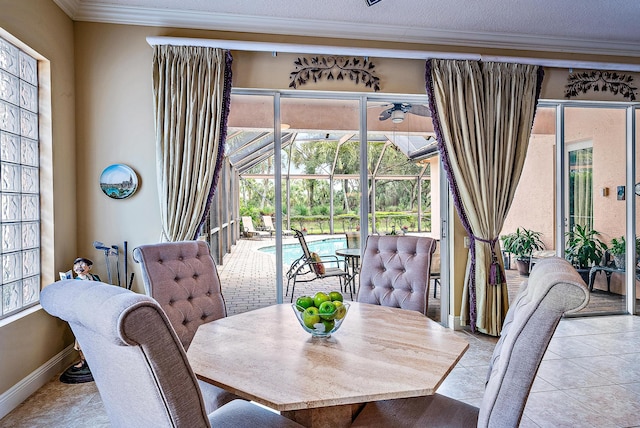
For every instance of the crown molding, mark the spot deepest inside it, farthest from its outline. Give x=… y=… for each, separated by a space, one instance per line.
x=70 y=7
x=304 y=27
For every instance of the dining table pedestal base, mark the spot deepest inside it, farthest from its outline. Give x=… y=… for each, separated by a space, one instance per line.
x=325 y=417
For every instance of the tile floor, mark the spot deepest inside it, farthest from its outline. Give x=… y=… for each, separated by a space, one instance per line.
x=590 y=375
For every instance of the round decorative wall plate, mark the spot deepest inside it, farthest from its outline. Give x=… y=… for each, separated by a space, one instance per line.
x=118 y=181
x=637 y=189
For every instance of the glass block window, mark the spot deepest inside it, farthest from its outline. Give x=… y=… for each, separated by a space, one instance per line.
x=19 y=180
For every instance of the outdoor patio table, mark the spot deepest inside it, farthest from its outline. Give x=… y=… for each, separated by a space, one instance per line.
x=352 y=259
x=379 y=353
x=608 y=271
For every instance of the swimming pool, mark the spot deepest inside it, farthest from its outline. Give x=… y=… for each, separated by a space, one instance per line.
x=324 y=247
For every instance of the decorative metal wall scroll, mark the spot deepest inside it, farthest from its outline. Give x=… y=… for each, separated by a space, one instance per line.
x=616 y=83
x=358 y=70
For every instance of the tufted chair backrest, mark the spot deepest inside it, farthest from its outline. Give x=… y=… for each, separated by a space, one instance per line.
x=553 y=289
x=395 y=271
x=183 y=278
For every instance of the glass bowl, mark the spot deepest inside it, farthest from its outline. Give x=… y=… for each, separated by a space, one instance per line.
x=326 y=323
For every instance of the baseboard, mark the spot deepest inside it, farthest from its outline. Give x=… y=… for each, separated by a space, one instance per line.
x=455 y=323
x=35 y=380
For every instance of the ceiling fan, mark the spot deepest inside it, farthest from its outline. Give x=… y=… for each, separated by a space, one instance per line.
x=397 y=111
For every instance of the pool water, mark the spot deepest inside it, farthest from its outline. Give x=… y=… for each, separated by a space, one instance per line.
x=324 y=247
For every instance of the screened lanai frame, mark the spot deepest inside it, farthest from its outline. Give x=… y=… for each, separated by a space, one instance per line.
x=632 y=110
x=249 y=148
x=243 y=156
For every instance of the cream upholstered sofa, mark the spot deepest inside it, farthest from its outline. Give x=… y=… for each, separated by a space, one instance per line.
x=553 y=289
x=139 y=365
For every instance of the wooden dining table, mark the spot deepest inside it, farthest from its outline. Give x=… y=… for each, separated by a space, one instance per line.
x=378 y=353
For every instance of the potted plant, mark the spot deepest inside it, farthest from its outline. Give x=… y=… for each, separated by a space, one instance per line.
x=521 y=244
x=584 y=249
x=618 y=249
x=506 y=245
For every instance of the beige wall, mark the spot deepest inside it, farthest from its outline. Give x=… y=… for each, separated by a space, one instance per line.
x=28 y=343
x=263 y=70
x=115 y=119
x=102 y=114
x=115 y=124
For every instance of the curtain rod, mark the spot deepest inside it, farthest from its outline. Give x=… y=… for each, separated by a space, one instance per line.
x=242 y=45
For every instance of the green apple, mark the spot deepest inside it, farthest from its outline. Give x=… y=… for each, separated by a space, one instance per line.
x=303 y=302
x=328 y=325
x=327 y=310
x=320 y=297
x=341 y=310
x=336 y=296
x=310 y=316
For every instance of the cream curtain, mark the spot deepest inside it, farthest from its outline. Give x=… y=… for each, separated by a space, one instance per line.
x=483 y=113
x=191 y=88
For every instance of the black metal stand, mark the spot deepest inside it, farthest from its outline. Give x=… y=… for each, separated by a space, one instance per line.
x=75 y=374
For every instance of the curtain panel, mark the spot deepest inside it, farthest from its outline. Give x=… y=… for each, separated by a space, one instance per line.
x=482 y=115
x=191 y=94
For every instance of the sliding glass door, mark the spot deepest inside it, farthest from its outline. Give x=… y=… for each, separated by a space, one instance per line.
x=595 y=201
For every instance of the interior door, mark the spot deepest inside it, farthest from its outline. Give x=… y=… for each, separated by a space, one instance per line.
x=595 y=196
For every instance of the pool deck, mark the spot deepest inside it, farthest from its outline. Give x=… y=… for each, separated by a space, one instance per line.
x=248 y=277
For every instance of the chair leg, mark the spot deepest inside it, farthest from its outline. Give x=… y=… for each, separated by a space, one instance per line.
x=293 y=289
x=436 y=281
x=347 y=284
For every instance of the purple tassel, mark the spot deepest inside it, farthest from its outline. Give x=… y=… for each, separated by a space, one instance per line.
x=496 y=274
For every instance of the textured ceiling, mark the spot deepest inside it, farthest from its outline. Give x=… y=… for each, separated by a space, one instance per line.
x=585 y=26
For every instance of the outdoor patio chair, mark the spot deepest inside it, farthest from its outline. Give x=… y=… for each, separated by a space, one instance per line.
x=182 y=277
x=353 y=239
x=268 y=225
x=311 y=266
x=138 y=363
x=353 y=242
x=553 y=289
x=250 y=231
x=435 y=269
x=395 y=271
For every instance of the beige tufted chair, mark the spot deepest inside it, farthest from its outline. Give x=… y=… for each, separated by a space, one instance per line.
x=182 y=278
x=140 y=368
x=395 y=271
x=553 y=289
